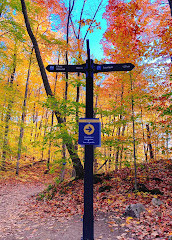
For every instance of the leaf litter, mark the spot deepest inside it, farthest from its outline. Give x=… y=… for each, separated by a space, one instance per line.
x=109 y=206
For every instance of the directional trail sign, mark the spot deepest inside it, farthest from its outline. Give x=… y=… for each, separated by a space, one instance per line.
x=89 y=131
x=113 y=67
x=66 y=68
x=96 y=68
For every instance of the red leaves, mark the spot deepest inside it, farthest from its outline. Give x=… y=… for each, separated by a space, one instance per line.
x=156 y=222
x=55 y=6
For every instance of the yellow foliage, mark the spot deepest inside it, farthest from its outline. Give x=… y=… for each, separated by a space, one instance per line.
x=128 y=219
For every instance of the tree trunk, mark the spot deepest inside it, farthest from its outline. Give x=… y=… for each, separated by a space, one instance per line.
x=67 y=78
x=122 y=147
x=170 y=4
x=23 y=116
x=50 y=143
x=7 y=118
x=68 y=140
x=52 y=123
x=149 y=142
x=144 y=145
x=45 y=131
x=119 y=129
x=117 y=150
x=167 y=142
x=134 y=140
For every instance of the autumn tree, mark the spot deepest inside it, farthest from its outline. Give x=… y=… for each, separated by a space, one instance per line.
x=12 y=34
x=72 y=26
x=68 y=140
x=129 y=39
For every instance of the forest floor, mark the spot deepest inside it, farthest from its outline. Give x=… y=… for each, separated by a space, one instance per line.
x=23 y=216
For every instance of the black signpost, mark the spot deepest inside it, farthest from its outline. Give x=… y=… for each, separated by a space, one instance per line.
x=88 y=218
x=89 y=68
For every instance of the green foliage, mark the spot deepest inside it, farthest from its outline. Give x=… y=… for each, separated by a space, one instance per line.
x=57 y=181
x=50 y=186
x=127 y=164
x=40 y=197
x=65 y=107
x=51 y=40
x=167 y=111
x=16 y=5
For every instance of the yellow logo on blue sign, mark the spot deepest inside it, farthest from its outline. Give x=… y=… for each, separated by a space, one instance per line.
x=89 y=129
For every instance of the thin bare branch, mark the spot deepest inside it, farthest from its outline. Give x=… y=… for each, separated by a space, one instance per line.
x=79 y=29
x=92 y=21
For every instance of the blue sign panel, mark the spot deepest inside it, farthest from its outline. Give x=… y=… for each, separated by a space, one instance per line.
x=89 y=131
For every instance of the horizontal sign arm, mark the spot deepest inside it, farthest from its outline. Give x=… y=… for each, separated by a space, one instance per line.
x=66 y=68
x=113 y=67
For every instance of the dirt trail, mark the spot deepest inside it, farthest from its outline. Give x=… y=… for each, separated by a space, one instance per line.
x=19 y=221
